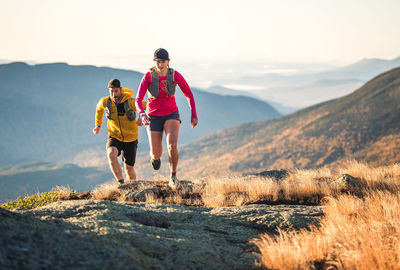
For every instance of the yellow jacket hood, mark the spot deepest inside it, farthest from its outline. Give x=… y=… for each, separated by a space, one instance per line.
x=119 y=126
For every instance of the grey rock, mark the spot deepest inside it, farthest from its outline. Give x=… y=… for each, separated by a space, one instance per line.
x=138 y=191
x=348 y=182
x=140 y=195
x=5 y=213
x=274 y=174
x=122 y=235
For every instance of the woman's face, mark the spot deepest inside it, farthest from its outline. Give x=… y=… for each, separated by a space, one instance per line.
x=162 y=65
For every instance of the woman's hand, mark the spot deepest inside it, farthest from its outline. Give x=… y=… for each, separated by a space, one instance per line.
x=194 y=122
x=145 y=119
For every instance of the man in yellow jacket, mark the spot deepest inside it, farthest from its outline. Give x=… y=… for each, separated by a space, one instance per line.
x=122 y=129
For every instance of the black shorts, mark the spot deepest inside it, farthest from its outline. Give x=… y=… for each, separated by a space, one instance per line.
x=157 y=122
x=129 y=149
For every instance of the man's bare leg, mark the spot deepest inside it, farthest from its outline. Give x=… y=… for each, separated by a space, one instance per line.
x=130 y=172
x=112 y=154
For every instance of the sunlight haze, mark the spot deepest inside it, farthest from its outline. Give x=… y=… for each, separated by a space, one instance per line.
x=124 y=34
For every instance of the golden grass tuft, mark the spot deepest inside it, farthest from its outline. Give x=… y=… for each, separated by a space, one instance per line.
x=356 y=233
x=64 y=192
x=387 y=174
x=300 y=186
x=227 y=191
x=308 y=183
x=107 y=191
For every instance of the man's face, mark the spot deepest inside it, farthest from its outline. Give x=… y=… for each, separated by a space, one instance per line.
x=115 y=93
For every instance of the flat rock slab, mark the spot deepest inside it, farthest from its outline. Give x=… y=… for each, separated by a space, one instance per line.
x=113 y=235
x=274 y=174
x=138 y=191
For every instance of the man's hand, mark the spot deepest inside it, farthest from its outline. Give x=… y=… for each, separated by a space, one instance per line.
x=139 y=121
x=194 y=122
x=96 y=130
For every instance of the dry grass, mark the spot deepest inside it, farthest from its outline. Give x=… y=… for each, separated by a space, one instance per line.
x=227 y=191
x=107 y=191
x=356 y=233
x=299 y=187
x=309 y=184
x=64 y=192
x=379 y=177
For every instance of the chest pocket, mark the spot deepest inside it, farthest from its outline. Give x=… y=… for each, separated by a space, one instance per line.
x=170 y=83
x=122 y=108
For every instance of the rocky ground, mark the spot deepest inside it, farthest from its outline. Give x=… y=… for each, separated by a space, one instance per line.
x=86 y=234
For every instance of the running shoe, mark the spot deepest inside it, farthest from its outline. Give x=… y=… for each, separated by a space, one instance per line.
x=173 y=182
x=156 y=163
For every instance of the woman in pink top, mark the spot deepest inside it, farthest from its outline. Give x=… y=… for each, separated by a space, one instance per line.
x=162 y=114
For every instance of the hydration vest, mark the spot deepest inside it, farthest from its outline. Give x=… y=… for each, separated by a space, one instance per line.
x=154 y=85
x=128 y=110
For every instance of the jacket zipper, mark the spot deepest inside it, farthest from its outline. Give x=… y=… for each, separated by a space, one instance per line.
x=120 y=128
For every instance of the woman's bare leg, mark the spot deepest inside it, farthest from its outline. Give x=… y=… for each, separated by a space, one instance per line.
x=172 y=131
x=155 y=140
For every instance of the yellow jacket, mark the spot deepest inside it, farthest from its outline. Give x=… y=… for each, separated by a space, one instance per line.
x=119 y=127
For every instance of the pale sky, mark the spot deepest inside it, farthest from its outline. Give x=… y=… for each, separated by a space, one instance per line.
x=123 y=33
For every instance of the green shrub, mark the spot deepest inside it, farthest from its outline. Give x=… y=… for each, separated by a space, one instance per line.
x=35 y=200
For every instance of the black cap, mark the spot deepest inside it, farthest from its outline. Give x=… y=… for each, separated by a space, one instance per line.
x=114 y=83
x=161 y=54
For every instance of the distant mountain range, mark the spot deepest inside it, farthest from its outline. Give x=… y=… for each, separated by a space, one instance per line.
x=47 y=111
x=217 y=89
x=304 y=88
x=28 y=178
x=363 y=125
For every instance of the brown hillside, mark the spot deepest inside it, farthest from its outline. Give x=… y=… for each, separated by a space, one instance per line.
x=364 y=125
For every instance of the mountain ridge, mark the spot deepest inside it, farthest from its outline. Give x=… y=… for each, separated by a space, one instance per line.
x=286 y=89
x=55 y=105
x=319 y=135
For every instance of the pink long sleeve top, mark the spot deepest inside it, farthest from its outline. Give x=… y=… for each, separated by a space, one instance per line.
x=163 y=105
